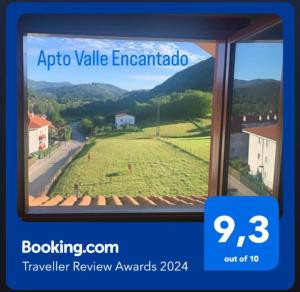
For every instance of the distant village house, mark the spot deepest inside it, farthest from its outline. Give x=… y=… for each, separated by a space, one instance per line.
x=38 y=132
x=239 y=140
x=122 y=119
x=262 y=152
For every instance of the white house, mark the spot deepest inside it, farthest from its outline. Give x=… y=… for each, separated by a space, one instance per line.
x=38 y=131
x=262 y=152
x=122 y=119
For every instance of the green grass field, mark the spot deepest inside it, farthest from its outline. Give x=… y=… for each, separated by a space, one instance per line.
x=159 y=167
x=198 y=146
x=167 y=129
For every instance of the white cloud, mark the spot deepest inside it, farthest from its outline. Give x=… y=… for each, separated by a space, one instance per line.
x=35 y=44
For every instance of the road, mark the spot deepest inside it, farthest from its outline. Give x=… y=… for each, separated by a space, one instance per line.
x=241 y=189
x=43 y=170
x=76 y=135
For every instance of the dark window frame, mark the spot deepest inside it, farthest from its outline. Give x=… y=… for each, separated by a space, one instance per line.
x=224 y=61
x=252 y=30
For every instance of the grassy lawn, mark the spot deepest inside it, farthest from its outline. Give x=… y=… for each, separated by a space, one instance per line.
x=198 y=146
x=158 y=168
x=167 y=129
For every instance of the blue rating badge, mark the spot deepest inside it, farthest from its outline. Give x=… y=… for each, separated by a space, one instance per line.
x=241 y=233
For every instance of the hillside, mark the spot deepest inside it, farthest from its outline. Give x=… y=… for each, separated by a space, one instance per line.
x=65 y=91
x=258 y=96
x=40 y=85
x=197 y=77
x=255 y=83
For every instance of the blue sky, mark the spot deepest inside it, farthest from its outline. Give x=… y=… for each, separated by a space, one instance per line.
x=258 y=61
x=125 y=77
x=253 y=61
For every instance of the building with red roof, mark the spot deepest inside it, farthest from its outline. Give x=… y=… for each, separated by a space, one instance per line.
x=262 y=152
x=268 y=132
x=38 y=132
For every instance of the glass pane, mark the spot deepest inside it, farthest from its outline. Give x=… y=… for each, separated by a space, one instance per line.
x=117 y=138
x=254 y=117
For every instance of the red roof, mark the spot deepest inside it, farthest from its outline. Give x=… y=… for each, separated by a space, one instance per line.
x=123 y=114
x=269 y=132
x=37 y=121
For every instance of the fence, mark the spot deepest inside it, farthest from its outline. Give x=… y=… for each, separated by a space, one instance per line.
x=189 y=150
x=254 y=184
x=48 y=151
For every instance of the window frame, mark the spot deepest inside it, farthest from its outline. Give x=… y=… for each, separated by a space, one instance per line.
x=244 y=34
x=218 y=170
x=178 y=213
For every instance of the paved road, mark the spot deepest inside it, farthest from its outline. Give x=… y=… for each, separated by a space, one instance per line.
x=43 y=170
x=242 y=190
x=76 y=135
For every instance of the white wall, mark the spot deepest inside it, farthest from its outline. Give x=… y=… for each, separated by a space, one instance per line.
x=124 y=120
x=262 y=152
x=33 y=139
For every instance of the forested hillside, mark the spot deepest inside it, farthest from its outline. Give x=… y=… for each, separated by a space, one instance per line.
x=185 y=94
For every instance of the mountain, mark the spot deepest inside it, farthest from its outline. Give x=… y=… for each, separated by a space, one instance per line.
x=39 y=85
x=198 y=76
x=237 y=83
x=65 y=91
x=257 y=96
x=256 y=91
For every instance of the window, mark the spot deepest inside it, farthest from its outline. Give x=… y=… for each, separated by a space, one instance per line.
x=111 y=118
x=256 y=93
x=121 y=138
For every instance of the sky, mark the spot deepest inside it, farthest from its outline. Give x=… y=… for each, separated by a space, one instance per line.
x=129 y=78
x=253 y=61
x=256 y=60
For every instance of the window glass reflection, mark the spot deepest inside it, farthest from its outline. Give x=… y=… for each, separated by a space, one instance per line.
x=254 y=117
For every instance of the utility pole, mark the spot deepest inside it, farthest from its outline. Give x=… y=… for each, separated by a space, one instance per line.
x=157 y=120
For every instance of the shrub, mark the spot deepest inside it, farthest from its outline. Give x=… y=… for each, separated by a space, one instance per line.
x=240 y=165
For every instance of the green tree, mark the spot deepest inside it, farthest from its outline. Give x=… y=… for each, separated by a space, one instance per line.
x=87 y=126
x=60 y=122
x=53 y=136
x=68 y=132
x=64 y=133
x=99 y=121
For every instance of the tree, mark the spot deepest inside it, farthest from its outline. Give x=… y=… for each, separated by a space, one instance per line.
x=68 y=132
x=53 y=136
x=99 y=121
x=87 y=126
x=60 y=122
